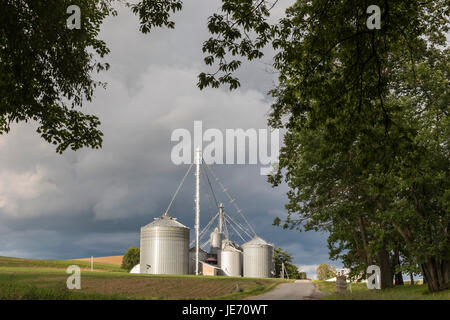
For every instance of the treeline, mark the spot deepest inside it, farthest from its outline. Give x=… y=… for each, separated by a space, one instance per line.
x=366 y=153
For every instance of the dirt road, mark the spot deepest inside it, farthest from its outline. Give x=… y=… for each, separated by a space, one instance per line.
x=298 y=290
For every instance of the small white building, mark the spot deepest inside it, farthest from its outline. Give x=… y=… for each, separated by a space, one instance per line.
x=136 y=269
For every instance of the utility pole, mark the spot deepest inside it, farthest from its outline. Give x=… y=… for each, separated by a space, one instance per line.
x=198 y=157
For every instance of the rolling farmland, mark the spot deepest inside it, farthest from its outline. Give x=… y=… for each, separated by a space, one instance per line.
x=46 y=279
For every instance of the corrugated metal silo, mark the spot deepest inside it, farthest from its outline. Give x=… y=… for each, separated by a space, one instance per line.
x=164 y=247
x=231 y=260
x=258 y=258
x=215 y=241
x=202 y=255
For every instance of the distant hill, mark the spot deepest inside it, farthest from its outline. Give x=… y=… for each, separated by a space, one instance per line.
x=117 y=260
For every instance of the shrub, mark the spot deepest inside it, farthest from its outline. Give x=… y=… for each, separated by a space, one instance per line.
x=131 y=258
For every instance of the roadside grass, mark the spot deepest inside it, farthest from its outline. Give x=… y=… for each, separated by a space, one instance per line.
x=361 y=292
x=35 y=279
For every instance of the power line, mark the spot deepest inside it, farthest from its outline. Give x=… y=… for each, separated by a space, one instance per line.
x=209 y=183
x=240 y=226
x=179 y=187
x=237 y=232
x=205 y=228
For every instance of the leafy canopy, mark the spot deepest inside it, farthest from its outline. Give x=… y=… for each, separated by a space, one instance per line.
x=46 y=69
x=131 y=258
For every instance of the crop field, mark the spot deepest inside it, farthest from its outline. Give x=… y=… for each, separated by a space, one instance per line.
x=25 y=279
x=361 y=292
x=117 y=260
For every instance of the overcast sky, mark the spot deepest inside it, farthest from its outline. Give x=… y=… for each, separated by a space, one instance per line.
x=93 y=202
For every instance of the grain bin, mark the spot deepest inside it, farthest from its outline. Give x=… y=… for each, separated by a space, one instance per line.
x=202 y=255
x=258 y=258
x=215 y=241
x=164 y=247
x=231 y=260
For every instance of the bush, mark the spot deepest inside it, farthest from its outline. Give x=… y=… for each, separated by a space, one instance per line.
x=131 y=258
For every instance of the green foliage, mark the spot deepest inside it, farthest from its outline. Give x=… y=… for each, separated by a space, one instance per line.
x=302 y=275
x=325 y=271
x=280 y=257
x=155 y=13
x=46 y=69
x=131 y=258
x=230 y=29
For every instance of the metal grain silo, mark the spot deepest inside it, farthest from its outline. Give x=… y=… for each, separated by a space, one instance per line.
x=215 y=241
x=164 y=247
x=258 y=258
x=231 y=260
x=202 y=255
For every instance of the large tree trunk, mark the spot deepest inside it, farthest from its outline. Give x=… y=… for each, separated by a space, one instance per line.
x=385 y=268
x=411 y=279
x=398 y=277
x=437 y=274
x=364 y=241
x=424 y=281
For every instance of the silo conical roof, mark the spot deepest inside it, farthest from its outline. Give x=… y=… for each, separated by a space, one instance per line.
x=257 y=241
x=227 y=245
x=165 y=221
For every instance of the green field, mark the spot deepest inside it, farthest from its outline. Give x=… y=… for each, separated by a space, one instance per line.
x=360 y=292
x=25 y=279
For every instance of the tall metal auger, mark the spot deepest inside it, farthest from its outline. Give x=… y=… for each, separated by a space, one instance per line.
x=198 y=161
